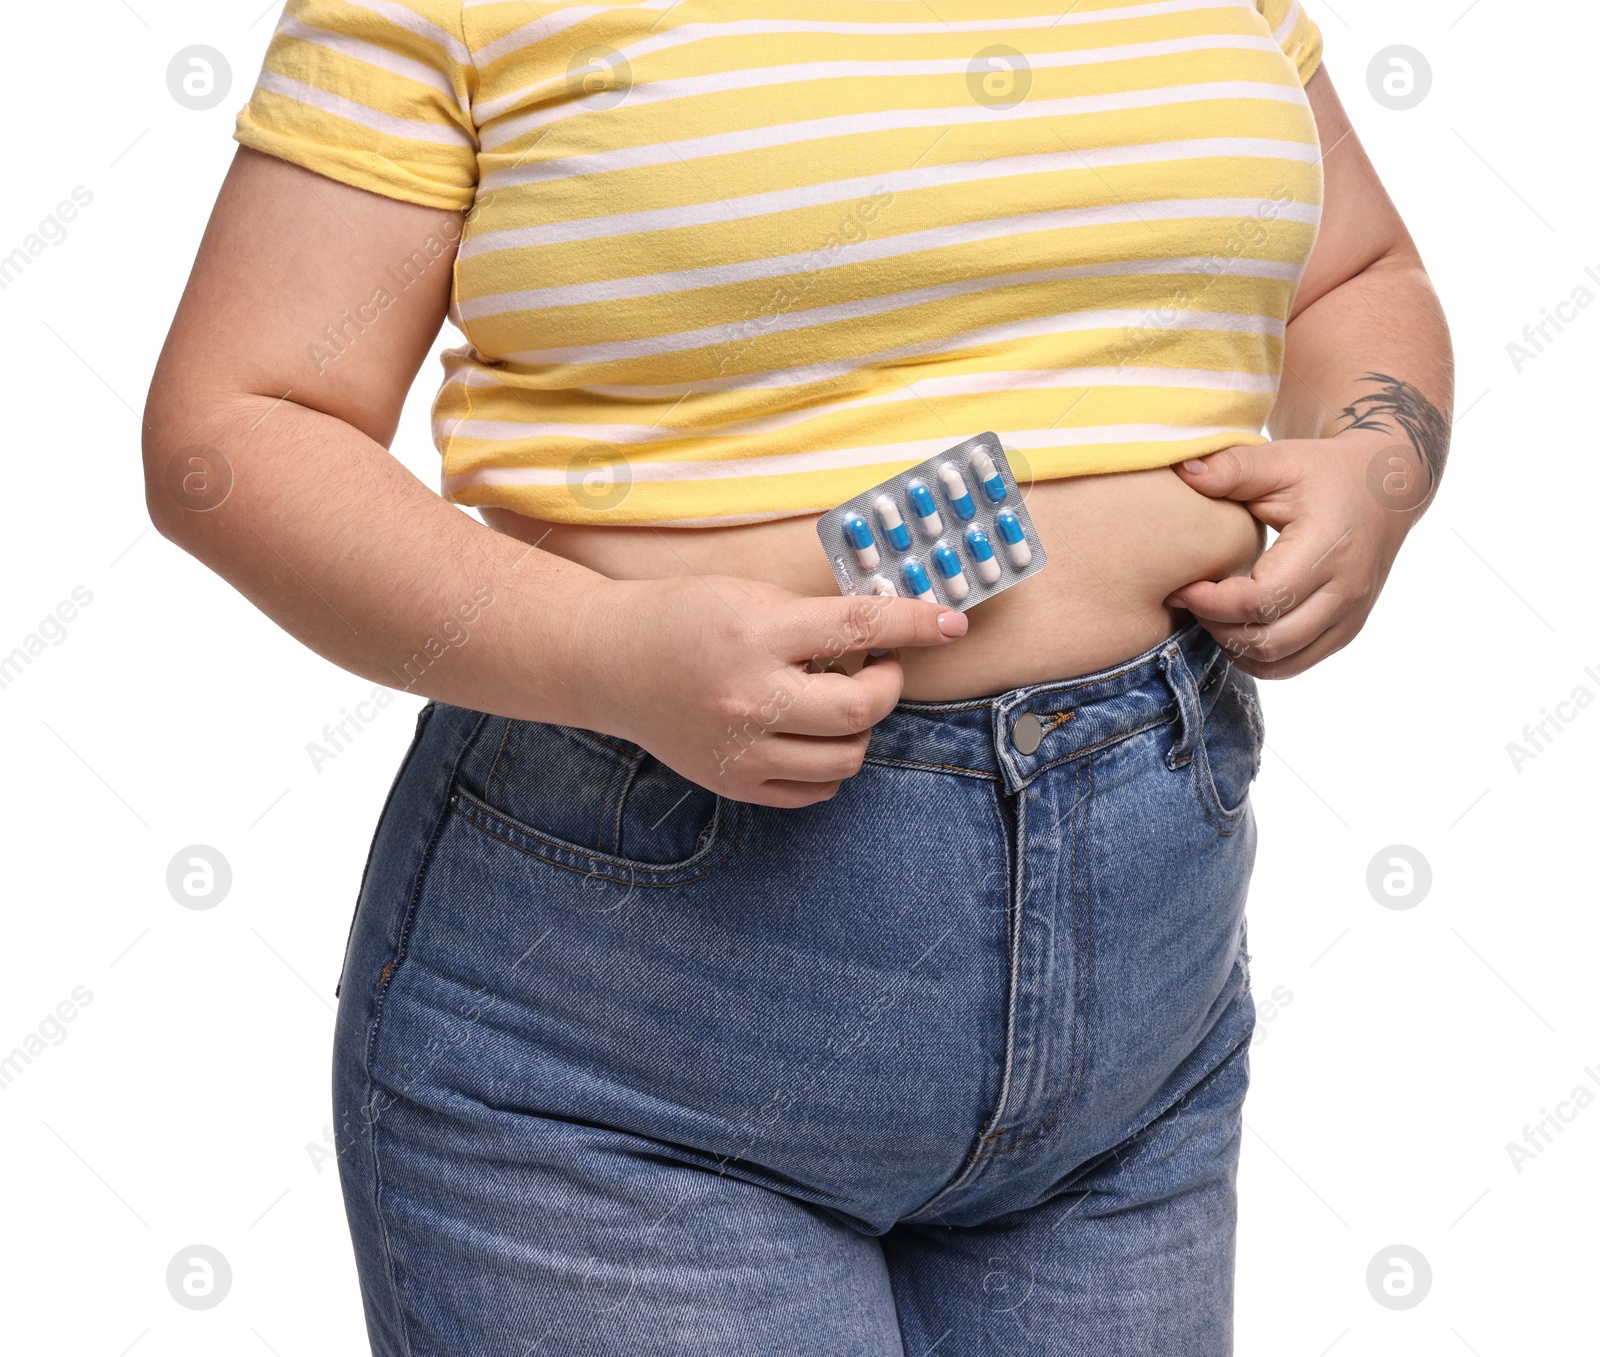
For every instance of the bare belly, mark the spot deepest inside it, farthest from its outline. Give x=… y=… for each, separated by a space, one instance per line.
x=1117 y=546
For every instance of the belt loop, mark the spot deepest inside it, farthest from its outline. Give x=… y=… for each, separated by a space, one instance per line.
x=1184 y=689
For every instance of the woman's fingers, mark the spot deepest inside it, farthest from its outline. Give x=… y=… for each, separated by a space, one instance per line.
x=1340 y=634
x=793 y=724
x=812 y=758
x=837 y=704
x=1257 y=474
x=1305 y=558
x=787 y=795
x=1264 y=644
x=829 y=627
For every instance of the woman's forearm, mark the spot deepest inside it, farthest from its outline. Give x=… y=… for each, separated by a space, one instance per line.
x=1372 y=354
x=1360 y=434
x=327 y=534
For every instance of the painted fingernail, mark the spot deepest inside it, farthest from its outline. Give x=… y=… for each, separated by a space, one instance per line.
x=1192 y=466
x=953 y=624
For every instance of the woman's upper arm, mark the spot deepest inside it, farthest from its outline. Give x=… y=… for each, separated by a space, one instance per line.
x=1360 y=223
x=309 y=289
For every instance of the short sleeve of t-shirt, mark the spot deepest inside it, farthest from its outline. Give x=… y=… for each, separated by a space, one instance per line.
x=1300 y=39
x=373 y=93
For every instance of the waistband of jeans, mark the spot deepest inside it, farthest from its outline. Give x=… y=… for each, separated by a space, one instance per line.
x=981 y=736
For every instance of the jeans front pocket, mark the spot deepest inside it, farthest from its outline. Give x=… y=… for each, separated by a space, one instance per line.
x=592 y=803
x=1228 y=751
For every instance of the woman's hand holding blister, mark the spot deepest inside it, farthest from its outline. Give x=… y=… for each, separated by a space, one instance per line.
x=713 y=675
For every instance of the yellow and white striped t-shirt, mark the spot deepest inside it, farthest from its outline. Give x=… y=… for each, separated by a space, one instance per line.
x=727 y=262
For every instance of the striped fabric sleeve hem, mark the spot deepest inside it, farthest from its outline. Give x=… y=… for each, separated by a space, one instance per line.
x=375 y=95
x=1295 y=33
x=370 y=170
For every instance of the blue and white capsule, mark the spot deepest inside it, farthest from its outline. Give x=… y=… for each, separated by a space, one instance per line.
x=894 y=526
x=981 y=550
x=917 y=581
x=1018 y=552
x=948 y=565
x=859 y=532
x=923 y=509
x=989 y=477
x=955 y=490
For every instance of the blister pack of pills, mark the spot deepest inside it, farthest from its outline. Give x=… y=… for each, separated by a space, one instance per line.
x=951 y=530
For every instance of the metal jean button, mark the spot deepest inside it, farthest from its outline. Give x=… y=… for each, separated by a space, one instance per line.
x=1026 y=733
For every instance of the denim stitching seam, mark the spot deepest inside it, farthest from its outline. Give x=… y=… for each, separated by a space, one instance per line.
x=1097 y=746
x=888 y=760
x=461 y=797
x=975 y=1159
x=635 y=762
x=605 y=802
x=423 y=718
x=1082 y=958
x=979 y=1153
x=975 y=1156
x=516 y=758
x=505 y=736
x=1205 y=792
x=401 y=945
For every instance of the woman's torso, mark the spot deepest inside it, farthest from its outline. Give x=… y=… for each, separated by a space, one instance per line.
x=1118 y=545
x=729 y=265
x=1097 y=264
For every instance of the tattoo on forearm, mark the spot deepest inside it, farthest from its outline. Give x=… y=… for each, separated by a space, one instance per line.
x=1398 y=402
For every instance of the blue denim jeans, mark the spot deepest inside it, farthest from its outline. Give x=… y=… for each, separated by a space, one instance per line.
x=951 y=1062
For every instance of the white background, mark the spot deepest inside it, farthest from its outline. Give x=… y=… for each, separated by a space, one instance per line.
x=1417 y=1043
